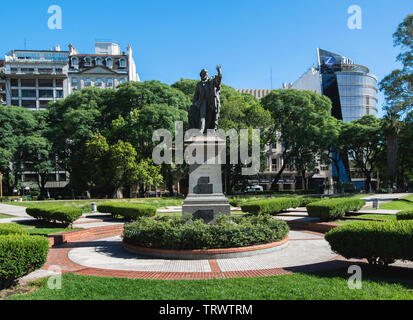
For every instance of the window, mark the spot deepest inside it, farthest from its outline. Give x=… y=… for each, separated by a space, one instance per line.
x=28 y=82
x=59 y=83
x=14 y=70
x=122 y=63
x=29 y=93
x=46 y=83
x=59 y=70
x=14 y=82
x=28 y=70
x=45 y=70
x=123 y=80
x=45 y=93
x=109 y=83
x=98 y=83
x=75 y=82
x=109 y=62
x=62 y=177
x=59 y=94
x=15 y=93
x=31 y=104
x=87 y=83
x=75 y=62
x=98 y=61
x=43 y=103
x=15 y=103
x=87 y=61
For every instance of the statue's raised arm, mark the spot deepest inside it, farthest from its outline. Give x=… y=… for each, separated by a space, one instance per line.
x=218 y=77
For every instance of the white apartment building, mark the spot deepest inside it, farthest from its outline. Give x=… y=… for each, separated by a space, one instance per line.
x=34 y=78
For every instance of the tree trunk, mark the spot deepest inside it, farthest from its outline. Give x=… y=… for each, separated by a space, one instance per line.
x=391 y=158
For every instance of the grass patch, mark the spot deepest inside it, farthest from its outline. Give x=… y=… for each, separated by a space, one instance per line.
x=3 y=216
x=405 y=203
x=326 y=285
x=85 y=205
x=366 y=218
x=42 y=228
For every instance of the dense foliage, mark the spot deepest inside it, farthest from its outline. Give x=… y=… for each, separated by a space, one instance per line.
x=270 y=206
x=55 y=214
x=130 y=211
x=180 y=234
x=10 y=228
x=405 y=215
x=378 y=242
x=20 y=255
x=332 y=209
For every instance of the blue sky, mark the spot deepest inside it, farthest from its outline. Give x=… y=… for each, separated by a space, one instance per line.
x=174 y=39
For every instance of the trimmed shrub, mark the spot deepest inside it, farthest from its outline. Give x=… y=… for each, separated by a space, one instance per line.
x=20 y=255
x=305 y=201
x=11 y=228
x=405 y=215
x=378 y=242
x=177 y=233
x=269 y=206
x=55 y=214
x=130 y=211
x=332 y=209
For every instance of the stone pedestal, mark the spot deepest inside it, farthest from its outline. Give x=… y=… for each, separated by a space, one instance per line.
x=205 y=198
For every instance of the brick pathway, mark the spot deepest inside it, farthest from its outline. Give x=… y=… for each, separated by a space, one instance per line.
x=306 y=251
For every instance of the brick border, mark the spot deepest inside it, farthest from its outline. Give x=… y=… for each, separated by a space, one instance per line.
x=224 y=253
x=58 y=256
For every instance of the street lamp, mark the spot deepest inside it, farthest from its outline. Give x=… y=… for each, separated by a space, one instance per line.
x=1 y=185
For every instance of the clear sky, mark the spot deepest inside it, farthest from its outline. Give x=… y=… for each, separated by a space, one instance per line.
x=177 y=38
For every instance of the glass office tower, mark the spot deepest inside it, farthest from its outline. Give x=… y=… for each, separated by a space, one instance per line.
x=351 y=87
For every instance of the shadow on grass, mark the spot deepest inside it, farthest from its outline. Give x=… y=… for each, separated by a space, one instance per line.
x=393 y=275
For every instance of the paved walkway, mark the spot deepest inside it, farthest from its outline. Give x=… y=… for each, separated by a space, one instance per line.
x=106 y=257
x=15 y=211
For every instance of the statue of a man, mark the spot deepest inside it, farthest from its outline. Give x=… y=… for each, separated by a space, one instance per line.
x=204 y=112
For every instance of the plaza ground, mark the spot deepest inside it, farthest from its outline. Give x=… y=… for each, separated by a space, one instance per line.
x=97 y=267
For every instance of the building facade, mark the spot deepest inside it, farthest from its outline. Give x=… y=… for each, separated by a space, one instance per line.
x=353 y=92
x=34 y=78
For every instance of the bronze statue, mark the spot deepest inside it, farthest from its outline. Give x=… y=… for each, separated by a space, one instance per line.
x=204 y=112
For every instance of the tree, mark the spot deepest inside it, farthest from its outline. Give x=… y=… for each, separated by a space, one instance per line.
x=298 y=120
x=391 y=129
x=20 y=142
x=398 y=85
x=362 y=139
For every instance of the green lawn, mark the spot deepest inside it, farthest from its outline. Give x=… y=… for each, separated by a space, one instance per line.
x=43 y=228
x=86 y=204
x=3 y=216
x=401 y=204
x=365 y=217
x=321 y=286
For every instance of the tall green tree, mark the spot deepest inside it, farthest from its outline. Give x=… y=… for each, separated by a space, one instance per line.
x=298 y=120
x=398 y=85
x=363 y=141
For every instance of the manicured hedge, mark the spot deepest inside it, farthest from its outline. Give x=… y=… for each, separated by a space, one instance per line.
x=55 y=214
x=20 y=255
x=306 y=201
x=11 y=228
x=332 y=209
x=130 y=211
x=270 y=206
x=405 y=215
x=177 y=233
x=378 y=242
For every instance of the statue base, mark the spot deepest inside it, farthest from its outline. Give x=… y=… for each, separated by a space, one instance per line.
x=205 y=198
